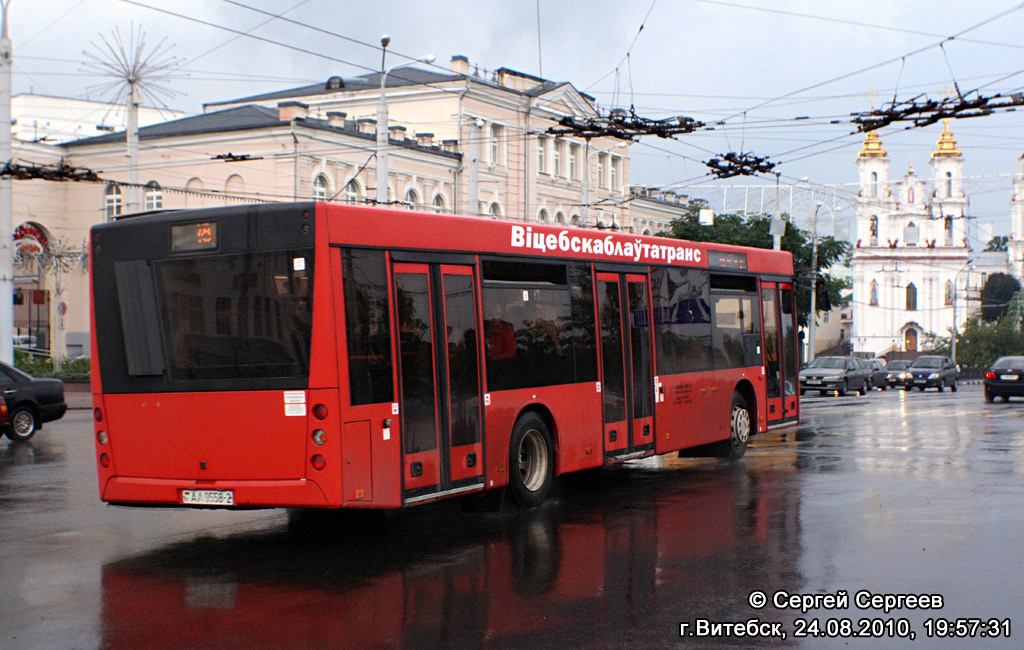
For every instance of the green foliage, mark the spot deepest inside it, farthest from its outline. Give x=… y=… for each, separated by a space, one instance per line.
x=752 y=230
x=76 y=369
x=980 y=343
x=999 y=243
x=996 y=294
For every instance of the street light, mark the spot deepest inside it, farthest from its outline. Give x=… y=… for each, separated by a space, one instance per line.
x=382 y=119
x=956 y=278
x=586 y=176
x=814 y=281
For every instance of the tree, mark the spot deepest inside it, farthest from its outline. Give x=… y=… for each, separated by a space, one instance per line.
x=752 y=230
x=980 y=343
x=999 y=243
x=996 y=294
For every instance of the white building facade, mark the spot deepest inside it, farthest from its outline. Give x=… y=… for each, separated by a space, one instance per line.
x=914 y=274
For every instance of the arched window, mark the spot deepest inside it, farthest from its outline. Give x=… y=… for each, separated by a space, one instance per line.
x=873 y=300
x=439 y=205
x=193 y=192
x=494 y=210
x=412 y=199
x=113 y=201
x=949 y=184
x=352 y=192
x=874 y=184
x=647 y=232
x=949 y=231
x=320 y=188
x=873 y=240
x=910 y=234
x=575 y=220
x=560 y=217
x=543 y=215
x=911 y=297
x=949 y=292
x=910 y=195
x=234 y=185
x=154 y=196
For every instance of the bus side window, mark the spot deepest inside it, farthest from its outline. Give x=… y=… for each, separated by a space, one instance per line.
x=368 y=328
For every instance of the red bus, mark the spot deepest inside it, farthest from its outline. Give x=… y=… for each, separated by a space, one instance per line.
x=319 y=355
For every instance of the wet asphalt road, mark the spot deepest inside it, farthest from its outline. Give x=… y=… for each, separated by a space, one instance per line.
x=889 y=493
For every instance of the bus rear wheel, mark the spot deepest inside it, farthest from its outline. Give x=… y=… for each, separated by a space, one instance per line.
x=531 y=461
x=740 y=422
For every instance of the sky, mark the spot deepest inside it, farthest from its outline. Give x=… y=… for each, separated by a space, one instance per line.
x=776 y=79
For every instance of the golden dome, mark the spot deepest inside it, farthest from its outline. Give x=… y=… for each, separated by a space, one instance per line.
x=946 y=146
x=872 y=146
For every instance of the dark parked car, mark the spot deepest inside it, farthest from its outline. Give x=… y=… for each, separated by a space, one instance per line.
x=878 y=374
x=30 y=402
x=1005 y=378
x=931 y=371
x=839 y=374
x=896 y=373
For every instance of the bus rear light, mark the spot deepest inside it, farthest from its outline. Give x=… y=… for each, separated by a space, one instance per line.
x=318 y=462
x=320 y=412
x=105 y=461
x=97 y=414
x=319 y=437
x=101 y=437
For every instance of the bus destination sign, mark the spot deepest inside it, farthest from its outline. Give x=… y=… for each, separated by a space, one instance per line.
x=727 y=260
x=189 y=237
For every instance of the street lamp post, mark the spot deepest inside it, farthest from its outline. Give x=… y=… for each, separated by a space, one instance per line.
x=814 y=278
x=952 y=344
x=586 y=176
x=382 y=119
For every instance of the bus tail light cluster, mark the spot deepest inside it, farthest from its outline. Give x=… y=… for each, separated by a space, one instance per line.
x=318 y=462
x=319 y=437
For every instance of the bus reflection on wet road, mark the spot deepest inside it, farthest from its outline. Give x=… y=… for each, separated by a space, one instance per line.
x=888 y=493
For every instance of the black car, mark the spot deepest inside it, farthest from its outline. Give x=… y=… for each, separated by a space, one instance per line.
x=839 y=374
x=30 y=402
x=931 y=371
x=896 y=373
x=878 y=374
x=1005 y=378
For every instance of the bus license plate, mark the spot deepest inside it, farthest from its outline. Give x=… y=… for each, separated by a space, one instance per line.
x=208 y=497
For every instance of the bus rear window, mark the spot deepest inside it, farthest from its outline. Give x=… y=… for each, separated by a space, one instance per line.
x=238 y=316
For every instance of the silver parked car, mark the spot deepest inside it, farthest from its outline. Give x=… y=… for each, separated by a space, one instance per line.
x=839 y=374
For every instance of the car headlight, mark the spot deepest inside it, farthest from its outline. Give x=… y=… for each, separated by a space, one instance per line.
x=934 y=375
x=902 y=375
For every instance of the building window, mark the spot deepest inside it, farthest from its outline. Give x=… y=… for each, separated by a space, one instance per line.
x=601 y=162
x=615 y=174
x=439 y=203
x=911 y=297
x=154 y=196
x=320 y=188
x=910 y=195
x=234 y=186
x=556 y=159
x=495 y=145
x=560 y=217
x=575 y=220
x=949 y=292
x=874 y=184
x=542 y=149
x=352 y=192
x=411 y=199
x=494 y=210
x=949 y=185
x=949 y=231
x=873 y=300
x=910 y=234
x=574 y=151
x=114 y=202
x=543 y=216
x=873 y=239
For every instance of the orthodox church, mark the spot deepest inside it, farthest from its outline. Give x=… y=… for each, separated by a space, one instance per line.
x=912 y=264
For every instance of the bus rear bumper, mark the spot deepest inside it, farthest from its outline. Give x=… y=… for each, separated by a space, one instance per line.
x=300 y=493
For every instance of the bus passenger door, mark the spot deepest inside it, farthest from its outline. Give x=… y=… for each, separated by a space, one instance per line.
x=780 y=366
x=439 y=370
x=627 y=379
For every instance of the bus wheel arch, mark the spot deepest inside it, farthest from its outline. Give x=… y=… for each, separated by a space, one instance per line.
x=532 y=457
x=742 y=422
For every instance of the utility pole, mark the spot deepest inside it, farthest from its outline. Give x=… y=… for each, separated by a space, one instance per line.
x=6 y=199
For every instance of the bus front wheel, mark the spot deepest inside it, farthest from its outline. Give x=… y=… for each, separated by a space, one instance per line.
x=531 y=461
